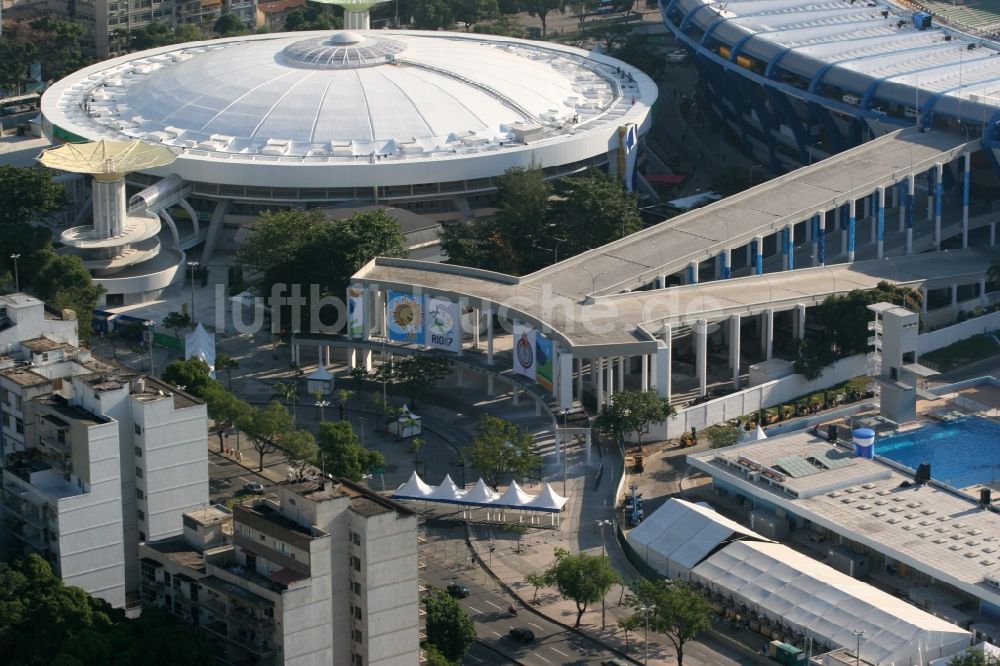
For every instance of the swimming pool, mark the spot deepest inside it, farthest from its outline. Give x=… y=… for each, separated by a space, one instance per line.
x=964 y=452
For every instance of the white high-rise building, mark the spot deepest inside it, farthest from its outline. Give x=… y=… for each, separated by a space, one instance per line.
x=328 y=574
x=94 y=459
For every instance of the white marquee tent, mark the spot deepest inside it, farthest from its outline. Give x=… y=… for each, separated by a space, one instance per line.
x=679 y=535
x=200 y=344
x=481 y=496
x=814 y=599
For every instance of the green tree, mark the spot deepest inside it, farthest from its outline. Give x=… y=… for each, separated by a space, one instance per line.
x=224 y=408
x=537 y=581
x=628 y=624
x=44 y=621
x=679 y=611
x=419 y=374
x=432 y=14
x=501 y=447
x=340 y=399
x=64 y=282
x=594 y=209
x=581 y=578
x=265 y=426
x=416 y=444
x=27 y=195
x=311 y=17
x=974 y=657
x=162 y=34
x=581 y=8
x=175 y=321
x=299 y=445
x=304 y=248
x=434 y=656
x=632 y=411
x=226 y=363
x=288 y=392
x=478 y=244
x=342 y=452
x=229 y=25
x=192 y=374
x=720 y=436
x=540 y=9
x=471 y=12
x=449 y=628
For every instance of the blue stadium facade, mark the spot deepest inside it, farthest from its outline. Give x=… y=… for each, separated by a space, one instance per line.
x=792 y=76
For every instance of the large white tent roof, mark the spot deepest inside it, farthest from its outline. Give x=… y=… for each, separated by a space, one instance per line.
x=199 y=343
x=414 y=488
x=547 y=500
x=813 y=598
x=446 y=492
x=684 y=534
x=481 y=495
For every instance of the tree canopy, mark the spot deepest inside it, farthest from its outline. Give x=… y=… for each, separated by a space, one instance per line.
x=43 y=621
x=678 y=611
x=974 y=658
x=449 y=628
x=229 y=25
x=61 y=47
x=419 y=374
x=162 y=34
x=305 y=248
x=342 y=452
x=536 y=222
x=312 y=16
x=193 y=374
x=540 y=9
x=581 y=578
x=500 y=448
x=632 y=411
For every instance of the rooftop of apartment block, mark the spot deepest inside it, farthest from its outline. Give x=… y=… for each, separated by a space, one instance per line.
x=59 y=405
x=24 y=376
x=154 y=389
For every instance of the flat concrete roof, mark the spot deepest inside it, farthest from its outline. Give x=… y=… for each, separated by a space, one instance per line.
x=940 y=533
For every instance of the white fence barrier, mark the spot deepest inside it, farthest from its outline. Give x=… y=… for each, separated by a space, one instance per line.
x=755 y=398
x=928 y=342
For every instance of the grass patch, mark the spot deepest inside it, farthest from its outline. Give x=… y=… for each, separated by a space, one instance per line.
x=959 y=353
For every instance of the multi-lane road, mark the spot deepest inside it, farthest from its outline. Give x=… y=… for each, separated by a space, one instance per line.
x=487 y=606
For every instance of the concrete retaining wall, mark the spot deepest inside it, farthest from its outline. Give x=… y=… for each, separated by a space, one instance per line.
x=928 y=342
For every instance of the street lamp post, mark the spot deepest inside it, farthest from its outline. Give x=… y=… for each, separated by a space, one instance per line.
x=17 y=279
x=193 y=265
x=559 y=241
x=604 y=554
x=645 y=613
x=322 y=404
x=859 y=634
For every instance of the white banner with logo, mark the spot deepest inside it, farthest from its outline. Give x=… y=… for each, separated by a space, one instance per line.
x=525 y=358
x=355 y=312
x=443 y=324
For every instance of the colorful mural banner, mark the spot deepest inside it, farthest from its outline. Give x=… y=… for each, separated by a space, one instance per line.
x=355 y=312
x=406 y=317
x=524 y=351
x=443 y=326
x=544 y=362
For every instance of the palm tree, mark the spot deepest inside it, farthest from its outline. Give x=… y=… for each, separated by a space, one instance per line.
x=227 y=363
x=288 y=392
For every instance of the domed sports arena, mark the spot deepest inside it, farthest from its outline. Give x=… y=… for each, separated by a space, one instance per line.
x=417 y=120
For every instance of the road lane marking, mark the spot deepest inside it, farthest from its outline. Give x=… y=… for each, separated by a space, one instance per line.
x=541 y=657
x=492 y=604
x=558 y=651
x=536 y=626
x=496 y=633
x=473 y=657
x=475 y=610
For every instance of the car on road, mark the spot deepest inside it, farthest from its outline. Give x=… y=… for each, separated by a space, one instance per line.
x=219 y=484
x=458 y=590
x=522 y=634
x=254 y=488
x=614 y=662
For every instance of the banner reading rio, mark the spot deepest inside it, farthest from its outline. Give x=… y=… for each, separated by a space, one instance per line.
x=443 y=324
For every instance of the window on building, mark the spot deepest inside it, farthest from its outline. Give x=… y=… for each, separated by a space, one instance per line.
x=358 y=636
x=357 y=588
x=19 y=426
x=356 y=538
x=356 y=563
x=138 y=452
x=138 y=429
x=141 y=514
x=139 y=494
x=142 y=537
x=138 y=472
x=359 y=660
x=291 y=501
x=357 y=612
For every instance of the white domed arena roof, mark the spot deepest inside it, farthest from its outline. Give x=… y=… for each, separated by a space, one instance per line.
x=356 y=100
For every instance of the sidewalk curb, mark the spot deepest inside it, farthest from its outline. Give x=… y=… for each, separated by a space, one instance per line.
x=532 y=609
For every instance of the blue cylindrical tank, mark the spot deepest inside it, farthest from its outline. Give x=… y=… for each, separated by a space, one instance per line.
x=864 y=443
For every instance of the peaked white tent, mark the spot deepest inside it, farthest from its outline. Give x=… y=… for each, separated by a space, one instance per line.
x=446 y=492
x=814 y=599
x=319 y=381
x=200 y=344
x=480 y=494
x=514 y=497
x=547 y=500
x=414 y=488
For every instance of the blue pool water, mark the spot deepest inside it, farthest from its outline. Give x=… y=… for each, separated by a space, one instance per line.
x=964 y=452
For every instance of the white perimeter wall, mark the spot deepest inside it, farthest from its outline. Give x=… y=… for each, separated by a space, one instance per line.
x=928 y=342
x=757 y=397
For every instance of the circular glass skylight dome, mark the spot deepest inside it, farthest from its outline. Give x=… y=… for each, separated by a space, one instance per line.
x=343 y=50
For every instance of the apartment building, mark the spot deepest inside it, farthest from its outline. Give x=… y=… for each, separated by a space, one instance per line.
x=95 y=459
x=327 y=574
